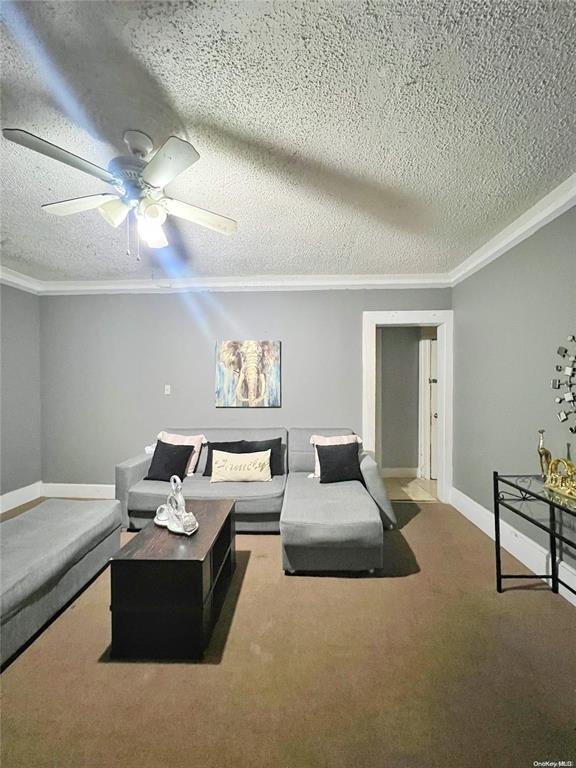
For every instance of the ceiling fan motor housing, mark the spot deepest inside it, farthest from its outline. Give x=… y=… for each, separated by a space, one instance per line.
x=138 y=142
x=128 y=170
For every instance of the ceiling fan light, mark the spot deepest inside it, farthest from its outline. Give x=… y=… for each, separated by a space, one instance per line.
x=114 y=211
x=153 y=211
x=152 y=233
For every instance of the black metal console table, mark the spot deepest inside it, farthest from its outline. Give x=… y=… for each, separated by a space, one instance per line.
x=512 y=492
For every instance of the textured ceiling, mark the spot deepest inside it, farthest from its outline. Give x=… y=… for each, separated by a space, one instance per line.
x=345 y=137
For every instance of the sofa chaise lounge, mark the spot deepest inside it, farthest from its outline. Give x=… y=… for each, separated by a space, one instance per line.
x=332 y=526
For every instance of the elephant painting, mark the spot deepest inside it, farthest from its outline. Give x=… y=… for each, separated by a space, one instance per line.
x=248 y=374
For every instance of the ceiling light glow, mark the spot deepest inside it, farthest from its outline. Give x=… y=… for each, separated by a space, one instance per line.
x=152 y=233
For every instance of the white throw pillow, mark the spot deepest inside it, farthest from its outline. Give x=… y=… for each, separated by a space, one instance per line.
x=334 y=440
x=196 y=440
x=240 y=467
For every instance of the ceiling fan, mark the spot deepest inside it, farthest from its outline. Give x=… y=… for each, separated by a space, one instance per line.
x=139 y=184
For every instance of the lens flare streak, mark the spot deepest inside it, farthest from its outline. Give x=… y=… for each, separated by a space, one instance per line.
x=28 y=41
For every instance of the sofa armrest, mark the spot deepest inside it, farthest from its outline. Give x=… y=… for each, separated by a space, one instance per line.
x=128 y=473
x=376 y=488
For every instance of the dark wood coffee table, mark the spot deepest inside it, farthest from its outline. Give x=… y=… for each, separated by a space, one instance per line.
x=167 y=590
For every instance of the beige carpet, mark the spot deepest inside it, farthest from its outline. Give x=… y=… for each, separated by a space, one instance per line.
x=425 y=667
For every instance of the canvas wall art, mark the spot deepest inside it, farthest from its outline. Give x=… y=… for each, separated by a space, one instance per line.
x=248 y=374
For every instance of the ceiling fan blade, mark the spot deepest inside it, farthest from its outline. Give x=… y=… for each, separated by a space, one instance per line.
x=78 y=204
x=37 y=144
x=114 y=211
x=173 y=157
x=199 y=216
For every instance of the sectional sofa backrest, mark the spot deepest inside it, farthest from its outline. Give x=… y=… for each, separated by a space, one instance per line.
x=229 y=434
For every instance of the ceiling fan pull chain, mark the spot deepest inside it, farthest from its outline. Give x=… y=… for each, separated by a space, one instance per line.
x=138 y=249
x=128 y=236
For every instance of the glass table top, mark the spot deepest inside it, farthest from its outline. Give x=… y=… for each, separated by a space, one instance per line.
x=533 y=485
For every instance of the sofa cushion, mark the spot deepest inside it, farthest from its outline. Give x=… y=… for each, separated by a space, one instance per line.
x=40 y=545
x=339 y=463
x=301 y=454
x=147 y=495
x=241 y=467
x=197 y=441
x=276 y=453
x=169 y=460
x=231 y=434
x=338 y=514
x=234 y=446
x=317 y=440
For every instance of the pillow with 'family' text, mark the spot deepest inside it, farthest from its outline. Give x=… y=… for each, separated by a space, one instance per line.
x=240 y=467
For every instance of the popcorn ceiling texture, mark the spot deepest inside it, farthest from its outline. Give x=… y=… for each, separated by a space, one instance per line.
x=345 y=137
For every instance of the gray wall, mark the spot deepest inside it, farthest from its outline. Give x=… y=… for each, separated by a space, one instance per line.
x=397 y=389
x=20 y=422
x=105 y=360
x=509 y=320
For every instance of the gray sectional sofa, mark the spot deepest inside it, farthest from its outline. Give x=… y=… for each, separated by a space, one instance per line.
x=258 y=505
x=337 y=526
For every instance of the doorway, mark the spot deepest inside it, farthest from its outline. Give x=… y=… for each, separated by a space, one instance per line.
x=440 y=398
x=428 y=405
x=407 y=411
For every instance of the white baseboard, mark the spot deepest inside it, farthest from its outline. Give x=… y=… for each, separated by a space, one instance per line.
x=20 y=496
x=399 y=471
x=534 y=556
x=54 y=490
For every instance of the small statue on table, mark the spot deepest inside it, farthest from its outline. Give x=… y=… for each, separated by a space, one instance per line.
x=173 y=514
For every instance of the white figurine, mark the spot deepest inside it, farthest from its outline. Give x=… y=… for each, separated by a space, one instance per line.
x=173 y=515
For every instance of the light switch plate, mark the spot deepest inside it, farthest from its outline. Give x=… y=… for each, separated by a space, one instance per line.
x=167 y=389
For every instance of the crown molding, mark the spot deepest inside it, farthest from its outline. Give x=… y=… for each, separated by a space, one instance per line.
x=18 y=280
x=548 y=208
x=246 y=283
x=557 y=202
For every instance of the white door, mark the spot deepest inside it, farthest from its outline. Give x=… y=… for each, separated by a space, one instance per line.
x=433 y=410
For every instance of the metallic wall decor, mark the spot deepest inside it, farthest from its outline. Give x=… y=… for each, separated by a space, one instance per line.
x=565 y=384
x=559 y=475
x=248 y=374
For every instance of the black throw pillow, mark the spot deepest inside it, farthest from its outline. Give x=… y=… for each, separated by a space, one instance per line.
x=275 y=447
x=237 y=446
x=339 y=463
x=169 y=460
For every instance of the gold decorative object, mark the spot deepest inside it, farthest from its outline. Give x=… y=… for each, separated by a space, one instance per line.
x=561 y=477
x=544 y=453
